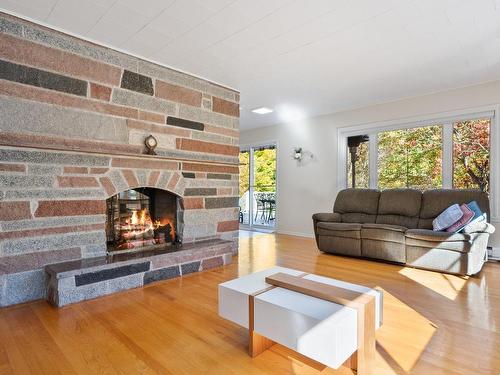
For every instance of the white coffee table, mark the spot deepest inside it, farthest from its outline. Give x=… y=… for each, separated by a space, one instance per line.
x=298 y=311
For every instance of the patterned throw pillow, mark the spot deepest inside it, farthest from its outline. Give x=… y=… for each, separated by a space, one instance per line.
x=467 y=216
x=447 y=218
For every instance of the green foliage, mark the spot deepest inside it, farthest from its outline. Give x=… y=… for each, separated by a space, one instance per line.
x=265 y=170
x=471 y=154
x=413 y=157
x=410 y=158
x=264 y=173
x=244 y=172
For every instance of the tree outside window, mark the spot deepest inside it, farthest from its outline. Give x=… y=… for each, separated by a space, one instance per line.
x=471 y=154
x=410 y=158
x=413 y=157
x=244 y=172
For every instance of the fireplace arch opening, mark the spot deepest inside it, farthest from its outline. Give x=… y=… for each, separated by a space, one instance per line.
x=142 y=219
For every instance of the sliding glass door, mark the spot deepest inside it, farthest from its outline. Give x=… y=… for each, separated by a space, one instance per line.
x=258 y=187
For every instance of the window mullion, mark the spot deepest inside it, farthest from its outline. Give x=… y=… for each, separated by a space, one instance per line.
x=447 y=171
x=373 y=162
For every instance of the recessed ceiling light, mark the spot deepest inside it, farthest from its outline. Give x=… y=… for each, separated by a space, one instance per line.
x=262 y=110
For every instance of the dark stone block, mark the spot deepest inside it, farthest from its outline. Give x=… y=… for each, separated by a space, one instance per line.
x=40 y=78
x=188 y=175
x=219 y=176
x=188 y=124
x=190 y=192
x=161 y=274
x=113 y=273
x=137 y=82
x=190 y=267
x=221 y=202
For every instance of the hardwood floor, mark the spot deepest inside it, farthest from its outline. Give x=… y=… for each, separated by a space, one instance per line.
x=433 y=323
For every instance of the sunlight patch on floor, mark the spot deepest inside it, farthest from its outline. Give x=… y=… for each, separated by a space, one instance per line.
x=446 y=285
x=399 y=353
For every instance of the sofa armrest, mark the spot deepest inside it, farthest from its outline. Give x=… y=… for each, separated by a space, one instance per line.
x=479 y=227
x=324 y=216
x=327 y=216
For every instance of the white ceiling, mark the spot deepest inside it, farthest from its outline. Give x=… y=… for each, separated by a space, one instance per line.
x=300 y=57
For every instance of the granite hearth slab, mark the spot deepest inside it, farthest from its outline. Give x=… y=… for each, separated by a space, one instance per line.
x=83 y=279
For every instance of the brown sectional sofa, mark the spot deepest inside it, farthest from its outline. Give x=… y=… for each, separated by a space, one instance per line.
x=396 y=225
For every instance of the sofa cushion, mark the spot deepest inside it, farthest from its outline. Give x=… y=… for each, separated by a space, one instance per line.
x=430 y=235
x=427 y=238
x=437 y=200
x=355 y=217
x=357 y=205
x=383 y=232
x=404 y=202
x=399 y=207
x=348 y=230
x=395 y=228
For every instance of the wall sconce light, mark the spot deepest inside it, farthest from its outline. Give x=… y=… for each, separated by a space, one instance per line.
x=297 y=153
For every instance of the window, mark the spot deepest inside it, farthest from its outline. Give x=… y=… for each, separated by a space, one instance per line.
x=471 y=154
x=410 y=158
x=452 y=153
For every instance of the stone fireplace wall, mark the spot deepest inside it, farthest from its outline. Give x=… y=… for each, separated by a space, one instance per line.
x=73 y=118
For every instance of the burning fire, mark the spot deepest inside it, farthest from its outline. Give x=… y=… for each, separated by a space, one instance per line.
x=140 y=230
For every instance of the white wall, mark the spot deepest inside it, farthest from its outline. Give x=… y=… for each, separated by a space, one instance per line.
x=310 y=186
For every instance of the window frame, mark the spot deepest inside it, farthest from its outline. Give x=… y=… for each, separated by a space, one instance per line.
x=446 y=119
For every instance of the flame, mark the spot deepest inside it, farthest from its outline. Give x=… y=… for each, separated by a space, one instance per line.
x=141 y=218
x=138 y=229
x=134 y=219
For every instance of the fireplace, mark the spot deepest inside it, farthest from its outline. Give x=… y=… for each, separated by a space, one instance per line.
x=141 y=219
x=86 y=193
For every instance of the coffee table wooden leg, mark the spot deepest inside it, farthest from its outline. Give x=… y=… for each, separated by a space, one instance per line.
x=352 y=361
x=364 y=357
x=256 y=343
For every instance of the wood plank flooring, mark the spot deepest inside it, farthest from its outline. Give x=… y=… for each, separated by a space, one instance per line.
x=433 y=323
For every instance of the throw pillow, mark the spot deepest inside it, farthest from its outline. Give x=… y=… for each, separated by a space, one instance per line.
x=467 y=216
x=477 y=225
x=478 y=222
x=477 y=211
x=447 y=218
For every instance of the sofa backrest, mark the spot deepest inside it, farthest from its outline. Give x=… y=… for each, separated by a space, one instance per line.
x=437 y=200
x=406 y=207
x=357 y=205
x=399 y=207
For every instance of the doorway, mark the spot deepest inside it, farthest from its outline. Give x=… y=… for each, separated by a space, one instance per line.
x=258 y=187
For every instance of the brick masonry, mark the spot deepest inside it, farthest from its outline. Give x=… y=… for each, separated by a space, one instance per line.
x=73 y=118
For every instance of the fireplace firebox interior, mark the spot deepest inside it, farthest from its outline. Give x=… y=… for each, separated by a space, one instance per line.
x=141 y=219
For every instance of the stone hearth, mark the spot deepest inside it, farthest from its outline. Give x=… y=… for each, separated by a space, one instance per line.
x=79 y=280
x=73 y=120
